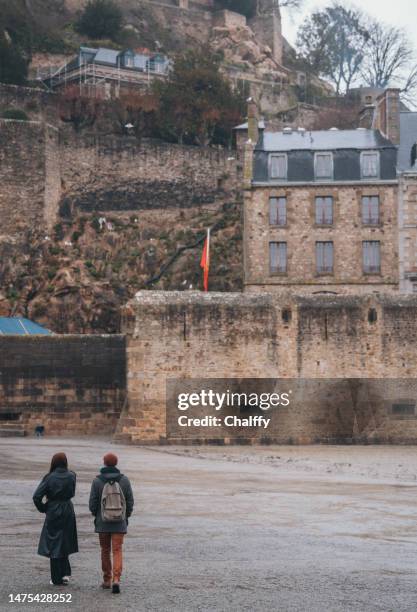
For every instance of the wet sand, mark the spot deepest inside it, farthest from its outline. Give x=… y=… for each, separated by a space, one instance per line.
x=312 y=528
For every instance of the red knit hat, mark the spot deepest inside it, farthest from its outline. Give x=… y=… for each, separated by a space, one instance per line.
x=110 y=460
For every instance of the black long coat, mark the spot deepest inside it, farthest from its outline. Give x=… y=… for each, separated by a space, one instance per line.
x=59 y=533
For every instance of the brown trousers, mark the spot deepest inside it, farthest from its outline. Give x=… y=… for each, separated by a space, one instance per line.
x=109 y=541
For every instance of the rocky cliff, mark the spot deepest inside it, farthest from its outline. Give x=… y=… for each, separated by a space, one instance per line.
x=77 y=278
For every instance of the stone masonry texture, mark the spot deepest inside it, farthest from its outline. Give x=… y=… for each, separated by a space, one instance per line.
x=29 y=175
x=70 y=384
x=301 y=233
x=194 y=335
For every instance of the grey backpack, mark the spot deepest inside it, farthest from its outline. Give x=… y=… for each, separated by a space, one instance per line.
x=113 y=503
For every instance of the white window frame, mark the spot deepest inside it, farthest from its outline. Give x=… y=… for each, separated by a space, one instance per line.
x=378 y=165
x=272 y=271
x=277 y=178
x=317 y=221
x=368 y=221
x=324 y=178
x=366 y=269
x=284 y=198
x=324 y=270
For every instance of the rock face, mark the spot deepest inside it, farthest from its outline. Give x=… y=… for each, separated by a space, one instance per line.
x=76 y=279
x=250 y=62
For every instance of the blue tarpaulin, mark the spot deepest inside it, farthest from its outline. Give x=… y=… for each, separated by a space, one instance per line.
x=19 y=326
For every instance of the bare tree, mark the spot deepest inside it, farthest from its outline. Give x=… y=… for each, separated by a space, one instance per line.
x=388 y=54
x=390 y=60
x=78 y=108
x=409 y=87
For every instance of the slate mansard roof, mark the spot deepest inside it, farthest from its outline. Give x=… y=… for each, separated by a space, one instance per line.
x=323 y=140
x=301 y=146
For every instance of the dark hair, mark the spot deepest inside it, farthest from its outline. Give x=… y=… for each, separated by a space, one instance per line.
x=59 y=460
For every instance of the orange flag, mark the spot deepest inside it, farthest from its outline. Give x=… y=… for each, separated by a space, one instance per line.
x=205 y=260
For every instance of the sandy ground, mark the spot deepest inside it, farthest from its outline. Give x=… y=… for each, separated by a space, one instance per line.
x=314 y=529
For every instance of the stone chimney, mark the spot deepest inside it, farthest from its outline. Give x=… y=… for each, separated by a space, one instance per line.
x=387 y=114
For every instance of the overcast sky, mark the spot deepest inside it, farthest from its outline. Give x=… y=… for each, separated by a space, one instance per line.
x=402 y=13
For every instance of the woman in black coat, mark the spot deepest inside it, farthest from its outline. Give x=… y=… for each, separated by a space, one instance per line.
x=59 y=533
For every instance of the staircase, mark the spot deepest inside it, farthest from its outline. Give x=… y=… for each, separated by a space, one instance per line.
x=12 y=429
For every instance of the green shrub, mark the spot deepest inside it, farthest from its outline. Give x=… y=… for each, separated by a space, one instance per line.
x=59 y=231
x=14 y=113
x=12 y=294
x=100 y=19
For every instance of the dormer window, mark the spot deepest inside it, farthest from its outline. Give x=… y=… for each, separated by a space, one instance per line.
x=278 y=166
x=323 y=166
x=370 y=164
x=128 y=60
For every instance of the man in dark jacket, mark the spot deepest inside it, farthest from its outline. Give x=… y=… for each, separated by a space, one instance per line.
x=111 y=532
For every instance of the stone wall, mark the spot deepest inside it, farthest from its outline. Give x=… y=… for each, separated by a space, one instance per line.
x=192 y=335
x=38 y=104
x=43 y=171
x=228 y=19
x=70 y=384
x=29 y=176
x=301 y=233
x=110 y=173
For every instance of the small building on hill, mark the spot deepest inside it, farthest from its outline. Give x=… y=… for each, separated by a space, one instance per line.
x=104 y=73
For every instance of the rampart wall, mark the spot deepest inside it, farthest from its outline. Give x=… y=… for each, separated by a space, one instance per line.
x=174 y=335
x=69 y=384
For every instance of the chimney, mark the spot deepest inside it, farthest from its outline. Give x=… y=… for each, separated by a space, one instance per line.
x=253 y=121
x=387 y=114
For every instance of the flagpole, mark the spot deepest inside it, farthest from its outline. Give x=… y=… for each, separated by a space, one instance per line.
x=208 y=254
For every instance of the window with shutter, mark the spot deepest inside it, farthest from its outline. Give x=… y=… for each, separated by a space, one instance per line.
x=278 y=211
x=278 y=166
x=324 y=210
x=370 y=210
x=371 y=253
x=278 y=257
x=324 y=257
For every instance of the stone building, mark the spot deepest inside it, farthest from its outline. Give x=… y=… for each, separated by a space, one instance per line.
x=385 y=111
x=105 y=73
x=320 y=210
x=407 y=201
